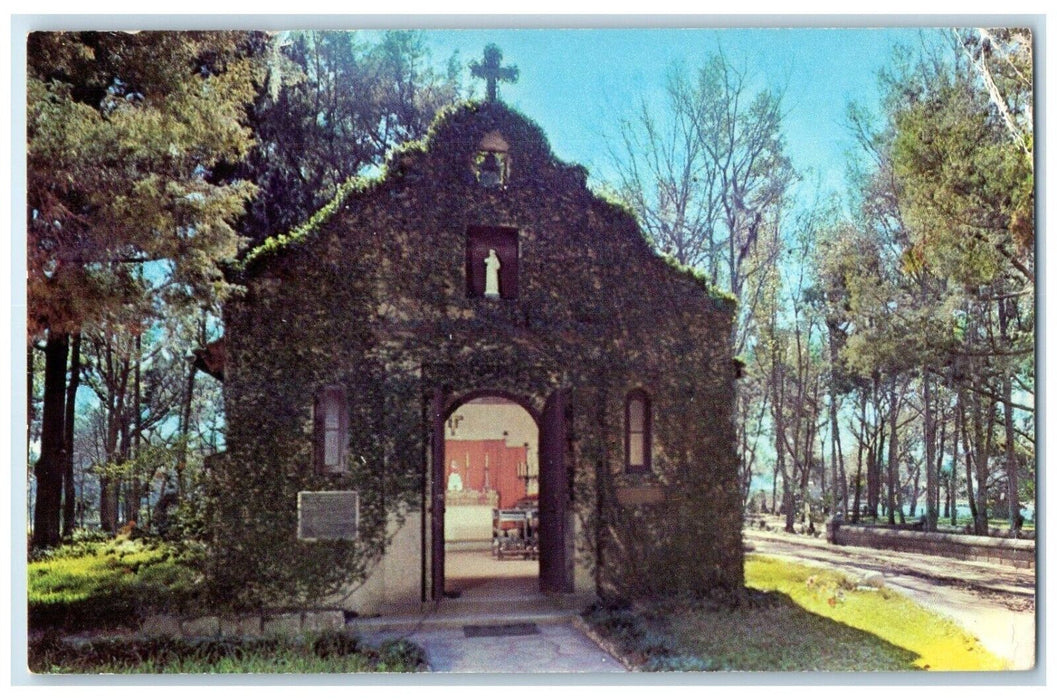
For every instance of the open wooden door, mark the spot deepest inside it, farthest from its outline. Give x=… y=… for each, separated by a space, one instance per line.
x=556 y=561
x=437 y=491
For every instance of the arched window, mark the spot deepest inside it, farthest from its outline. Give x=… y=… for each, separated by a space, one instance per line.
x=331 y=418
x=637 y=425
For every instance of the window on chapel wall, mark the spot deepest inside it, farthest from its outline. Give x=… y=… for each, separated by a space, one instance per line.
x=637 y=426
x=331 y=417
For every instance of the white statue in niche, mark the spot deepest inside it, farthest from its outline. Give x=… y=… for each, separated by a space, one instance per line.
x=491 y=275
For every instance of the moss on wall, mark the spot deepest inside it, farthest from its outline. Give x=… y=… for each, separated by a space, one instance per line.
x=372 y=296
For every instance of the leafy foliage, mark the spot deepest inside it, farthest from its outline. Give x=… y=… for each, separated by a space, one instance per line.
x=308 y=228
x=335 y=103
x=927 y=287
x=129 y=139
x=969 y=196
x=160 y=138
x=331 y=652
x=125 y=131
x=93 y=584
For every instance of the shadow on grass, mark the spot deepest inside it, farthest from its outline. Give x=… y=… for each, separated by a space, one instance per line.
x=765 y=631
x=773 y=633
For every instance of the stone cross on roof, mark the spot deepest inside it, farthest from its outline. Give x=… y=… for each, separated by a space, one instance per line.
x=491 y=71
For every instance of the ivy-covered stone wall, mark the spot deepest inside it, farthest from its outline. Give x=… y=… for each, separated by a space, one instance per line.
x=372 y=295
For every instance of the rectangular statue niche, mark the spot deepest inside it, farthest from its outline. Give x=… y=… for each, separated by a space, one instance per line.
x=492 y=262
x=327 y=515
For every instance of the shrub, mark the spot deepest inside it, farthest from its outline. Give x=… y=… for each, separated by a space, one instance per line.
x=644 y=638
x=91 y=584
x=397 y=654
x=331 y=652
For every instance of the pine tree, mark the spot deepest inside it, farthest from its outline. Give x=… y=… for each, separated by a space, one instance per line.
x=128 y=134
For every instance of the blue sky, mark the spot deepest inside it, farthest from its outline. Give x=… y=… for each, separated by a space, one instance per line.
x=577 y=83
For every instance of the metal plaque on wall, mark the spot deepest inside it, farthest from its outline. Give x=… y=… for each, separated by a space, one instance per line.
x=327 y=515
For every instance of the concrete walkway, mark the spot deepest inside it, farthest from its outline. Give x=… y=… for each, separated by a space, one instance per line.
x=524 y=631
x=555 y=648
x=993 y=602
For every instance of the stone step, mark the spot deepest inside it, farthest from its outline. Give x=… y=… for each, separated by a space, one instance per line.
x=401 y=623
x=458 y=612
x=459 y=606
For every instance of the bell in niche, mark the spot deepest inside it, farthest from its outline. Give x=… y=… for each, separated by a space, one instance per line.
x=490 y=173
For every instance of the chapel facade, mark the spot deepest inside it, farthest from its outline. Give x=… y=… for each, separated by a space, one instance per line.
x=477 y=266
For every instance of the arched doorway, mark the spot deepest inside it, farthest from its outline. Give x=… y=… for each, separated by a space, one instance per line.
x=500 y=494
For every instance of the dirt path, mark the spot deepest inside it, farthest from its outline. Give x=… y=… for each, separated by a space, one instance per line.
x=996 y=603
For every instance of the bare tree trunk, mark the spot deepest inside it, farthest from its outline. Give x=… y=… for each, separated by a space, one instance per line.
x=117 y=369
x=915 y=490
x=788 y=503
x=942 y=481
x=774 y=490
x=31 y=388
x=932 y=488
x=1012 y=482
x=107 y=499
x=839 y=496
x=945 y=483
x=808 y=460
x=952 y=485
x=873 y=463
x=1010 y=448
x=860 y=452
x=80 y=505
x=135 y=490
x=108 y=504
x=858 y=474
x=873 y=468
x=822 y=465
x=983 y=431
x=899 y=506
x=69 y=495
x=780 y=448
x=51 y=465
x=893 y=455
x=746 y=465
x=185 y=431
x=970 y=490
x=843 y=476
x=124 y=487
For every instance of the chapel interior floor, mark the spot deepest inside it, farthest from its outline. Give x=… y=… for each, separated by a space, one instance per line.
x=476 y=575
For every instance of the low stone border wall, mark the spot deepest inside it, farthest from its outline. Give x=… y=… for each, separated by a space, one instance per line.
x=604 y=644
x=1018 y=553
x=280 y=624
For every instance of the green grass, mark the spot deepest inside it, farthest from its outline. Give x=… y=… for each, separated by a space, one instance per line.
x=334 y=652
x=791 y=618
x=936 y=642
x=110 y=584
x=113 y=584
x=779 y=636
x=794 y=617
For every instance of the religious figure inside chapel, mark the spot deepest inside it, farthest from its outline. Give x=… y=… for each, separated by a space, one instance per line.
x=454 y=480
x=491 y=275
